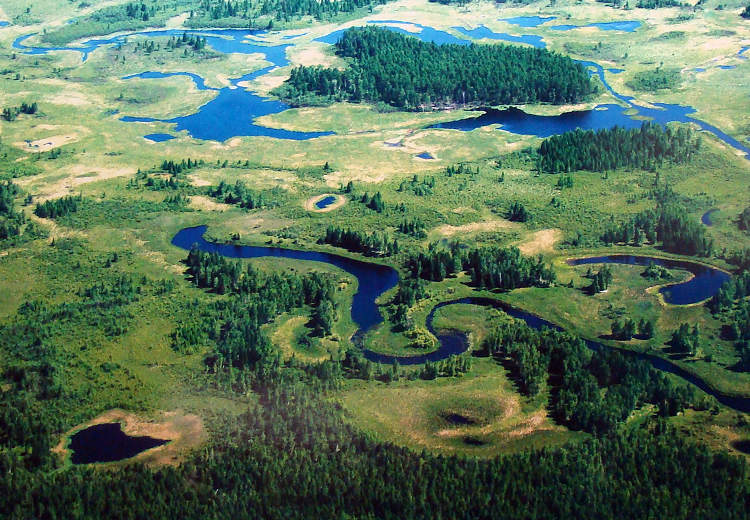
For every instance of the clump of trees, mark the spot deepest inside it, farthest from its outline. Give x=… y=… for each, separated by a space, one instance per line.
x=746 y=12
x=659 y=78
x=581 y=375
x=601 y=280
x=239 y=194
x=743 y=221
x=669 y=223
x=608 y=149
x=518 y=212
x=413 y=227
x=488 y=267
x=370 y=244
x=375 y=202
x=420 y=188
x=10 y=113
x=686 y=339
x=11 y=221
x=404 y=72
x=56 y=208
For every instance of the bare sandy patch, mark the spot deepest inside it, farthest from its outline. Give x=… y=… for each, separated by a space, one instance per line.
x=310 y=203
x=177 y=22
x=313 y=55
x=184 y=431
x=488 y=225
x=76 y=175
x=71 y=98
x=202 y=203
x=374 y=174
x=223 y=80
x=47 y=143
x=542 y=241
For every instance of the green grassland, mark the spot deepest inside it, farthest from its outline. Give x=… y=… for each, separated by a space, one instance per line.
x=80 y=105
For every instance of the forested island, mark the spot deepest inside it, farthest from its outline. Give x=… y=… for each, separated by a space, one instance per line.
x=406 y=73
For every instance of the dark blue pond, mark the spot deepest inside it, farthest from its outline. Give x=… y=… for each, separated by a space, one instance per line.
x=603 y=116
x=483 y=32
x=106 y=443
x=159 y=138
x=626 y=26
x=325 y=202
x=742 y=51
x=727 y=67
x=373 y=279
x=615 y=71
x=3 y=23
x=707 y=217
x=528 y=21
x=425 y=155
x=699 y=69
x=705 y=283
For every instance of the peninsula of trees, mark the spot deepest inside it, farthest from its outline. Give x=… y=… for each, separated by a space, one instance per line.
x=404 y=72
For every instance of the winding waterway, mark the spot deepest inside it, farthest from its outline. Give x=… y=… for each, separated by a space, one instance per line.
x=233 y=111
x=375 y=279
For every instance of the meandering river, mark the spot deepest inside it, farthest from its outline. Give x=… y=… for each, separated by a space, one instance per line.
x=375 y=279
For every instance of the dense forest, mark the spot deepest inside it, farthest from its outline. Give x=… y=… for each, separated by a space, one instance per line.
x=239 y=194
x=612 y=148
x=488 y=267
x=11 y=220
x=55 y=208
x=669 y=223
x=370 y=244
x=581 y=374
x=731 y=305
x=292 y=456
x=409 y=74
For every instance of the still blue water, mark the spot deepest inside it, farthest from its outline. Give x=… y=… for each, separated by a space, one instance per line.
x=325 y=202
x=626 y=26
x=707 y=217
x=373 y=279
x=106 y=443
x=159 y=138
x=528 y=21
x=704 y=284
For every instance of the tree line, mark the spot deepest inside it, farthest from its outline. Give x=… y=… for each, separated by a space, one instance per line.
x=234 y=326
x=239 y=194
x=292 y=455
x=12 y=221
x=376 y=243
x=55 y=208
x=488 y=267
x=10 y=113
x=404 y=72
x=578 y=375
x=731 y=305
x=669 y=223
x=646 y=147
